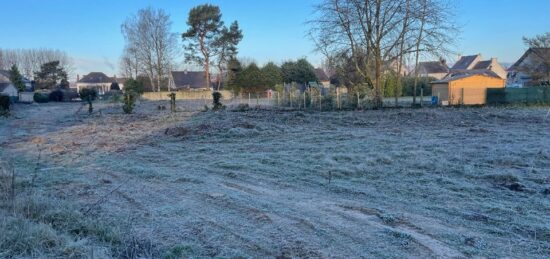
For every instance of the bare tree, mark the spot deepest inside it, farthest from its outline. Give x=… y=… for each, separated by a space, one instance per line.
x=373 y=35
x=149 y=39
x=129 y=63
x=29 y=61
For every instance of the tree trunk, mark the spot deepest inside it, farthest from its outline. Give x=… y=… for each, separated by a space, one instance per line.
x=420 y=33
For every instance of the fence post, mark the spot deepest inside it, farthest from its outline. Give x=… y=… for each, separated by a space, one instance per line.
x=462 y=98
x=421 y=96
x=290 y=98
x=249 y=103
x=358 y=102
x=257 y=100
x=278 y=99
x=338 y=98
x=320 y=101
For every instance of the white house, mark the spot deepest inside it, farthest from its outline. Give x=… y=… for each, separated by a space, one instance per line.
x=534 y=60
x=99 y=81
x=5 y=78
x=9 y=90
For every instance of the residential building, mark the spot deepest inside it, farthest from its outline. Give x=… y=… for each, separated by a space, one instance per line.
x=8 y=89
x=435 y=69
x=533 y=68
x=475 y=62
x=468 y=87
x=99 y=81
x=5 y=79
x=322 y=77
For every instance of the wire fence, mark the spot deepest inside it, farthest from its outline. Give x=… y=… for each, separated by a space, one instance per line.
x=291 y=100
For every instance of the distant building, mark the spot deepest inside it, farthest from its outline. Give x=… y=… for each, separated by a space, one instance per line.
x=8 y=89
x=99 y=81
x=435 y=69
x=322 y=77
x=5 y=79
x=475 y=62
x=535 y=61
x=468 y=87
x=189 y=80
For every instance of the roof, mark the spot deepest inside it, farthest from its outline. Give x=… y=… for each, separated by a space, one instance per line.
x=96 y=78
x=321 y=75
x=3 y=86
x=483 y=64
x=189 y=79
x=465 y=62
x=4 y=76
x=541 y=51
x=433 y=67
x=456 y=75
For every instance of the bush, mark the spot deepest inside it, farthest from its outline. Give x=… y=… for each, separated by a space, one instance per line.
x=88 y=94
x=129 y=101
x=217 y=96
x=423 y=83
x=56 y=96
x=41 y=98
x=5 y=102
x=134 y=85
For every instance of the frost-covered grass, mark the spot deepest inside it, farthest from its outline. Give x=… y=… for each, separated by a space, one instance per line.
x=395 y=183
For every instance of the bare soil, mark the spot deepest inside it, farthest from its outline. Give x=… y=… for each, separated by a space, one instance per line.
x=442 y=182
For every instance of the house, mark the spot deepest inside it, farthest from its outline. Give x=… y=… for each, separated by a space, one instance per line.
x=5 y=78
x=533 y=66
x=435 y=69
x=99 y=81
x=8 y=89
x=189 y=80
x=322 y=77
x=467 y=87
x=475 y=62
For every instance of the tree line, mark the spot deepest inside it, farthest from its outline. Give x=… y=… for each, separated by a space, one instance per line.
x=253 y=79
x=30 y=61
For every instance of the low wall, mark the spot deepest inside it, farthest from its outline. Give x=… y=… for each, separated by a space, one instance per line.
x=184 y=95
x=26 y=97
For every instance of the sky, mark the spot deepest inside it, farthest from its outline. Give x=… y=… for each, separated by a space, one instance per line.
x=89 y=30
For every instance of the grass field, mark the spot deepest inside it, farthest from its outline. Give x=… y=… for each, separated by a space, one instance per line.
x=420 y=183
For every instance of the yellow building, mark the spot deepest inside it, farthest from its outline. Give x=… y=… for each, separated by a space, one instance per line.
x=467 y=88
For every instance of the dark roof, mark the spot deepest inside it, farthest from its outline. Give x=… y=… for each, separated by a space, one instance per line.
x=96 y=78
x=6 y=74
x=3 y=86
x=189 y=79
x=545 y=52
x=464 y=62
x=321 y=75
x=483 y=64
x=459 y=74
x=433 y=67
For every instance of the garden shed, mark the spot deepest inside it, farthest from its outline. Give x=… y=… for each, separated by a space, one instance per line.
x=467 y=88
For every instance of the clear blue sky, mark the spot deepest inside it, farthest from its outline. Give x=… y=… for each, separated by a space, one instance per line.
x=89 y=30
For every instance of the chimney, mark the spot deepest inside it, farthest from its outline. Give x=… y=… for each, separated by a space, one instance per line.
x=442 y=61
